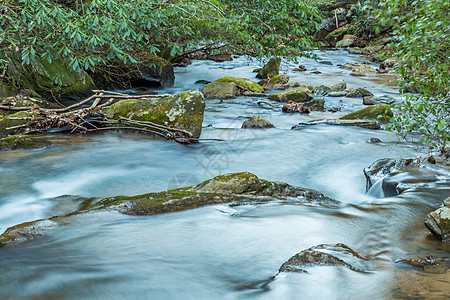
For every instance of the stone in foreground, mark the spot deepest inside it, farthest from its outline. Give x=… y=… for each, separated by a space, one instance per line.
x=257 y=122
x=182 y=111
x=438 y=222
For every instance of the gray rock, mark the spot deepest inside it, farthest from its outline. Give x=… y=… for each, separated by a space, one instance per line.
x=257 y=122
x=358 y=93
x=438 y=222
x=220 y=90
x=339 y=87
x=322 y=90
x=337 y=94
x=271 y=69
x=367 y=124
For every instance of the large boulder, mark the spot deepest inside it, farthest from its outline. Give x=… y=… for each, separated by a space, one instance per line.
x=50 y=79
x=182 y=111
x=438 y=222
x=370 y=113
x=244 y=85
x=257 y=122
x=271 y=69
x=220 y=90
x=299 y=94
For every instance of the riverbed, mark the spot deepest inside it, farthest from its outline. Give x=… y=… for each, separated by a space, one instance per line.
x=223 y=252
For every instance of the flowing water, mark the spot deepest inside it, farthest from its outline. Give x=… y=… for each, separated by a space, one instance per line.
x=223 y=252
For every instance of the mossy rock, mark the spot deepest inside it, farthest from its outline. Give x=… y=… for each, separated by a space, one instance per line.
x=277 y=81
x=182 y=111
x=242 y=83
x=370 y=113
x=220 y=90
x=22 y=142
x=358 y=93
x=438 y=222
x=40 y=77
x=230 y=188
x=271 y=69
x=257 y=122
x=16 y=119
x=315 y=104
x=299 y=94
x=322 y=90
x=339 y=87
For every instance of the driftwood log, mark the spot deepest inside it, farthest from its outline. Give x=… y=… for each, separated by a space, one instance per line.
x=84 y=118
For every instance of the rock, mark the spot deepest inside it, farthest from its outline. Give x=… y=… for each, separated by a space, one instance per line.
x=368 y=100
x=220 y=90
x=447 y=202
x=370 y=113
x=13 y=120
x=373 y=140
x=337 y=94
x=338 y=122
x=355 y=50
x=359 y=69
x=22 y=142
x=276 y=82
x=293 y=107
x=220 y=57
x=202 y=81
x=438 y=222
x=257 y=122
x=7 y=90
x=182 y=111
x=358 y=93
x=322 y=90
x=301 y=68
x=326 y=255
x=40 y=77
x=429 y=265
x=325 y=62
x=299 y=94
x=329 y=5
x=271 y=69
x=242 y=84
x=339 y=87
x=315 y=104
x=235 y=189
x=346 y=41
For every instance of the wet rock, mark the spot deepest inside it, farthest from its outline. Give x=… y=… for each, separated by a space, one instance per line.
x=271 y=69
x=301 y=68
x=447 y=202
x=358 y=93
x=276 y=82
x=374 y=140
x=337 y=94
x=370 y=113
x=326 y=62
x=202 y=81
x=183 y=111
x=438 y=222
x=326 y=255
x=430 y=264
x=299 y=94
x=368 y=100
x=244 y=85
x=22 y=142
x=294 y=107
x=220 y=90
x=339 y=87
x=346 y=41
x=359 y=69
x=25 y=231
x=355 y=50
x=338 y=122
x=315 y=104
x=40 y=75
x=10 y=124
x=322 y=90
x=220 y=57
x=257 y=122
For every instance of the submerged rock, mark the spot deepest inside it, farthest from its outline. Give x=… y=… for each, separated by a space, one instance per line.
x=370 y=113
x=22 y=142
x=438 y=222
x=257 y=122
x=244 y=85
x=220 y=90
x=299 y=94
x=339 y=122
x=326 y=255
x=182 y=111
x=271 y=69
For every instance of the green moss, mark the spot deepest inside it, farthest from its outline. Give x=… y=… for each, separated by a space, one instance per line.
x=337 y=33
x=274 y=79
x=22 y=142
x=300 y=94
x=243 y=83
x=370 y=113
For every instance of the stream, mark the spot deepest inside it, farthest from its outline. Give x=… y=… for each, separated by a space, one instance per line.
x=219 y=251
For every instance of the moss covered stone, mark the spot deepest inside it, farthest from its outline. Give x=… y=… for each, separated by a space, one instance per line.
x=257 y=122
x=183 y=111
x=278 y=82
x=40 y=76
x=22 y=142
x=13 y=120
x=220 y=90
x=242 y=83
x=299 y=94
x=271 y=69
x=315 y=104
x=370 y=113
x=358 y=93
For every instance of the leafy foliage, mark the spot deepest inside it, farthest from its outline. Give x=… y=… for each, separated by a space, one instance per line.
x=90 y=33
x=421 y=46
